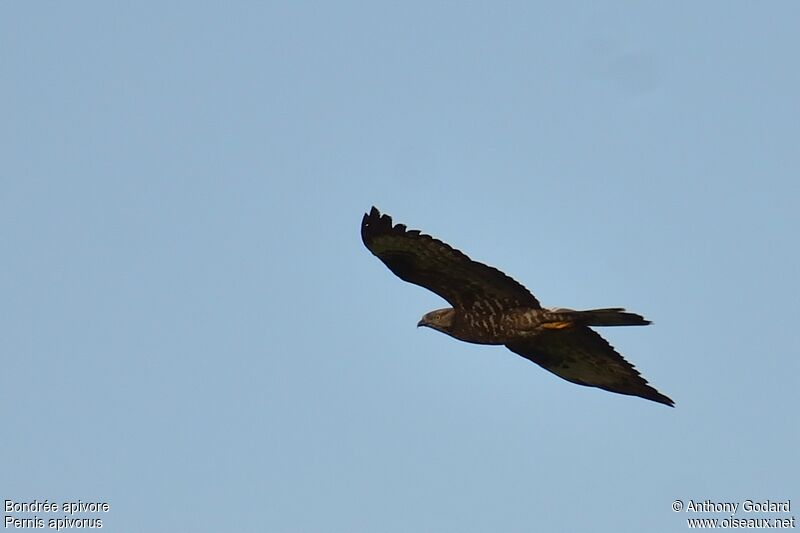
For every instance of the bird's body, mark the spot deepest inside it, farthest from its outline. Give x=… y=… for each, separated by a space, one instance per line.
x=502 y=326
x=491 y=308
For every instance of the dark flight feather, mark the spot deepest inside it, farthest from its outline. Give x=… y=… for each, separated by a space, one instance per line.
x=582 y=356
x=422 y=260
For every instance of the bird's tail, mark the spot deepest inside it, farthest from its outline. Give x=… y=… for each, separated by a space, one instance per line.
x=610 y=317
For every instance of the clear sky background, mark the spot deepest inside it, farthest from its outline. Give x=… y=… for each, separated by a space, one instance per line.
x=193 y=331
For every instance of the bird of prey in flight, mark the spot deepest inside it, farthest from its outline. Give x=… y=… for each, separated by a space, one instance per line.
x=488 y=307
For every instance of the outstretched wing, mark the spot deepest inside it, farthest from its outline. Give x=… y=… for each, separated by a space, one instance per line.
x=582 y=356
x=422 y=260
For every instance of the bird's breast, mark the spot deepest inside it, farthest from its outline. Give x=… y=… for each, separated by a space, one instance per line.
x=491 y=328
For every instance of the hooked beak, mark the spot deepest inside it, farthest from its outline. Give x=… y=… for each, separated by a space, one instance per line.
x=421 y=323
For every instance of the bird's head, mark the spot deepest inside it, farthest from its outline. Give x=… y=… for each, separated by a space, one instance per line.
x=441 y=319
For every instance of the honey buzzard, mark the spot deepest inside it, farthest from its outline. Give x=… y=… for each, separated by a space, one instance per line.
x=491 y=308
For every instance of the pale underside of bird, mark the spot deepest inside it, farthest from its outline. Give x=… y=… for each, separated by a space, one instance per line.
x=489 y=307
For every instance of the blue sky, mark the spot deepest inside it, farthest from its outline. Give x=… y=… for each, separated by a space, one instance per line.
x=193 y=332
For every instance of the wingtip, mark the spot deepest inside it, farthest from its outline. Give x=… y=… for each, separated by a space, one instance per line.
x=661 y=398
x=374 y=214
x=374 y=223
